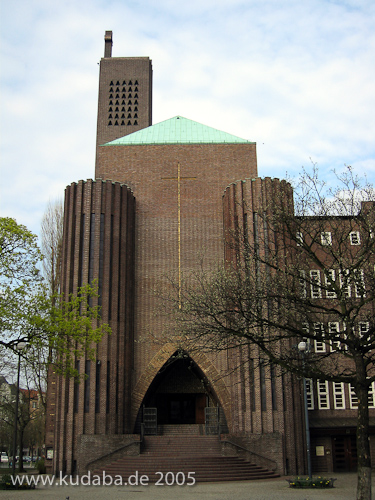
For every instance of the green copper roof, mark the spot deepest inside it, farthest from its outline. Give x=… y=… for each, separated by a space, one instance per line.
x=178 y=130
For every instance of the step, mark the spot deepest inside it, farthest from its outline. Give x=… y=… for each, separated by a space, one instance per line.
x=216 y=468
x=181 y=429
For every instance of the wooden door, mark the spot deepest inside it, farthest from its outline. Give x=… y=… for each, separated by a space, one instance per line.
x=344 y=453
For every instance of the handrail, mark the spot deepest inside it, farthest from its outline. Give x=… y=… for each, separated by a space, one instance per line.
x=249 y=451
x=112 y=452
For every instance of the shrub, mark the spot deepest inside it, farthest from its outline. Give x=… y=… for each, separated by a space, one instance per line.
x=40 y=465
x=311 y=482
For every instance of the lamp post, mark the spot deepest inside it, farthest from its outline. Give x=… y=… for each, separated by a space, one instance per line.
x=303 y=348
x=20 y=346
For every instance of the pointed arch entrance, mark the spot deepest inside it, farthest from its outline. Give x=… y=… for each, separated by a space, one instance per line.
x=181 y=388
x=180 y=392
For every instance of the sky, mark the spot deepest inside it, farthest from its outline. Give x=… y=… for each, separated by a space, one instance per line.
x=295 y=77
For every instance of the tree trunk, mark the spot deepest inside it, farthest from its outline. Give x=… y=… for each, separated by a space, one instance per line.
x=20 y=459
x=363 y=445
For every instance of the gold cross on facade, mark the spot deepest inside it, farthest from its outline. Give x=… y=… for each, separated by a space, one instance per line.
x=179 y=179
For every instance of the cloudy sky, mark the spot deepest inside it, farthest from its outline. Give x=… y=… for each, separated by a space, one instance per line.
x=297 y=77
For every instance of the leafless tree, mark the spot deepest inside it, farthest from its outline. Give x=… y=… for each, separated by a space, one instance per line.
x=298 y=268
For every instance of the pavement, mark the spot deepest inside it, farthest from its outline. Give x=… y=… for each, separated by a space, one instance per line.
x=270 y=489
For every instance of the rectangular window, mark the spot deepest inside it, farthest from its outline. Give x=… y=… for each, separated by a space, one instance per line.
x=316 y=290
x=363 y=328
x=355 y=238
x=345 y=283
x=359 y=283
x=334 y=331
x=326 y=238
x=353 y=398
x=303 y=284
x=330 y=284
x=371 y=396
x=306 y=329
x=299 y=239
x=319 y=343
x=310 y=393
x=339 y=395
x=323 y=395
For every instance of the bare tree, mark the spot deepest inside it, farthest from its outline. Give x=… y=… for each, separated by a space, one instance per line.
x=51 y=244
x=292 y=272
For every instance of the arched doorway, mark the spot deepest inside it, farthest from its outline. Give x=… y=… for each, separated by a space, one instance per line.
x=180 y=392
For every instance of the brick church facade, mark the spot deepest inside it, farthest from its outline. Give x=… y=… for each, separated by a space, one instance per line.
x=157 y=208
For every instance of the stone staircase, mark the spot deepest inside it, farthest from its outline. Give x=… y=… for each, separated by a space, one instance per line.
x=170 y=458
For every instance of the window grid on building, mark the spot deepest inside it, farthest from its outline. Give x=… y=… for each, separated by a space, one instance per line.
x=353 y=398
x=371 y=396
x=326 y=238
x=306 y=329
x=310 y=394
x=355 y=238
x=359 y=282
x=303 y=284
x=316 y=290
x=345 y=283
x=319 y=343
x=334 y=330
x=330 y=280
x=323 y=395
x=363 y=328
x=338 y=395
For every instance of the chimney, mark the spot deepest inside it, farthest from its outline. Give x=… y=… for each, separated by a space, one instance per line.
x=108 y=44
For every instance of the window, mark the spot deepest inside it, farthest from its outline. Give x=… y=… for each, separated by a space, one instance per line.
x=299 y=239
x=359 y=283
x=330 y=284
x=319 y=343
x=363 y=327
x=355 y=238
x=353 y=398
x=334 y=331
x=310 y=394
x=345 y=283
x=326 y=238
x=305 y=327
x=34 y=405
x=303 y=284
x=316 y=291
x=371 y=396
x=338 y=396
x=323 y=395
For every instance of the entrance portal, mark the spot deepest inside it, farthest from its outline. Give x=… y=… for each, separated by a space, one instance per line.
x=180 y=392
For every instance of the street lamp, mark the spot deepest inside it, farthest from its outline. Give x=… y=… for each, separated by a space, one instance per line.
x=20 y=347
x=303 y=348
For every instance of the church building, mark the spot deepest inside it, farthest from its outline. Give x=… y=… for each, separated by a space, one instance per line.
x=156 y=210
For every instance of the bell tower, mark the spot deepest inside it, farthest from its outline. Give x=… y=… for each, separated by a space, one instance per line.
x=125 y=95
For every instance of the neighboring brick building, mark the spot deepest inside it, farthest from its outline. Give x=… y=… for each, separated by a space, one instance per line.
x=155 y=211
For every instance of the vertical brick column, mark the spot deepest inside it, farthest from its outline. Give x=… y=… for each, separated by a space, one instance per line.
x=98 y=244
